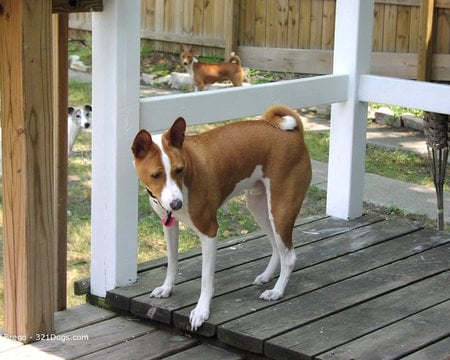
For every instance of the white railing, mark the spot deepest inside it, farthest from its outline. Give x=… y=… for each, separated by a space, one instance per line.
x=119 y=114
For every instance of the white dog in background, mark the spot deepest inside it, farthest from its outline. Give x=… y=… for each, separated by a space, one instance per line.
x=77 y=119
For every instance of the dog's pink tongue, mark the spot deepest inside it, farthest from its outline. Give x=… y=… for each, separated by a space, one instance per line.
x=168 y=221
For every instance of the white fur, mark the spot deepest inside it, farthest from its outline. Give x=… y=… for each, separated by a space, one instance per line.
x=171 y=191
x=201 y=312
x=171 y=235
x=77 y=119
x=289 y=123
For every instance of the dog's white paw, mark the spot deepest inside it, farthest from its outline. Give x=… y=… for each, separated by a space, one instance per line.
x=262 y=279
x=198 y=316
x=270 y=295
x=161 y=292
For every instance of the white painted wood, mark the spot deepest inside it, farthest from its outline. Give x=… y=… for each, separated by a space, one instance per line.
x=116 y=75
x=408 y=93
x=352 y=53
x=158 y=113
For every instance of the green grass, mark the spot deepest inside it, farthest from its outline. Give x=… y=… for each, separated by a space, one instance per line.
x=401 y=165
x=80 y=93
x=398 y=110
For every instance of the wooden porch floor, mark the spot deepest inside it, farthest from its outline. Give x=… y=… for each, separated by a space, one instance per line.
x=362 y=289
x=365 y=289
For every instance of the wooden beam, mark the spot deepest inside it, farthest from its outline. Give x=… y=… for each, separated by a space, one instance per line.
x=27 y=145
x=74 y=6
x=60 y=104
x=425 y=44
x=231 y=26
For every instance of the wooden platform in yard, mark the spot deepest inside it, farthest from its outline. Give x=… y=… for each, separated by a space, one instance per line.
x=365 y=289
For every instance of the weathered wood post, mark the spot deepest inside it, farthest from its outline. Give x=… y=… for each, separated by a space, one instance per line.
x=27 y=146
x=60 y=103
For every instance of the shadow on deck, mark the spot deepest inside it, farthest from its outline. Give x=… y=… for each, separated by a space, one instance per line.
x=365 y=289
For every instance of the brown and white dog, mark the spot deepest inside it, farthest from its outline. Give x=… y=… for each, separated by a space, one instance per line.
x=189 y=177
x=203 y=74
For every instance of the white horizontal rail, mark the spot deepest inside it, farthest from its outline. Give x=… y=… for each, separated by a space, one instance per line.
x=408 y=93
x=158 y=113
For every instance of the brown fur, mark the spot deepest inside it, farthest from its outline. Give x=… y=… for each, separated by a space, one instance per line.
x=215 y=161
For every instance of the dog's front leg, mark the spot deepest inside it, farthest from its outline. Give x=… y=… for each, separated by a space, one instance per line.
x=171 y=235
x=201 y=312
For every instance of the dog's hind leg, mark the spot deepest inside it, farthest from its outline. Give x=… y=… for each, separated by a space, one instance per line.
x=257 y=204
x=284 y=205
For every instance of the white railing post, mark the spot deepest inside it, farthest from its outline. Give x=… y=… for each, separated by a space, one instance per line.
x=352 y=50
x=116 y=64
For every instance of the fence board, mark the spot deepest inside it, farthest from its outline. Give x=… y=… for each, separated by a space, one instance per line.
x=293 y=24
x=390 y=27
x=329 y=11
x=316 y=25
x=305 y=24
x=378 y=26
x=414 y=29
x=260 y=22
x=443 y=32
x=403 y=26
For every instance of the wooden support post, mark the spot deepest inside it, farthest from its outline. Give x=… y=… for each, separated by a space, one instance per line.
x=27 y=145
x=60 y=103
x=425 y=44
x=115 y=96
x=231 y=30
x=352 y=51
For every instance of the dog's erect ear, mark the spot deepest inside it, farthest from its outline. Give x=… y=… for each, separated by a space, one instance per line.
x=88 y=107
x=176 y=133
x=141 y=144
x=70 y=110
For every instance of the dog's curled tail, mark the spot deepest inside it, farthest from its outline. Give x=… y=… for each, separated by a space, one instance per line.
x=234 y=59
x=283 y=118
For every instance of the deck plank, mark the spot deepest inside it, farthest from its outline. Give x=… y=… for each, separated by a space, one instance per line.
x=399 y=339
x=205 y=352
x=234 y=255
x=155 y=345
x=437 y=350
x=99 y=336
x=246 y=301
x=341 y=328
x=80 y=316
x=250 y=333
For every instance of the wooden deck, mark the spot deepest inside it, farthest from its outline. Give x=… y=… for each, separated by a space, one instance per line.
x=368 y=288
x=365 y=289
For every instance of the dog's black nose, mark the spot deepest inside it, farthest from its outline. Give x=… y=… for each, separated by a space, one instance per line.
x=176 y=204
x=86 y=126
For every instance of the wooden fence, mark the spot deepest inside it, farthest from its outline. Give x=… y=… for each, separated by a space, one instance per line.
x=293 y=35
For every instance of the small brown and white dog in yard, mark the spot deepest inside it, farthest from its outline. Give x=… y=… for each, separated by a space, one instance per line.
x=189 y=177
x=203 y=74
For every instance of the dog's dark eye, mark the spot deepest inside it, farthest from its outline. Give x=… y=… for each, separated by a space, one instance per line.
x=156 y=175
x=179 y=170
